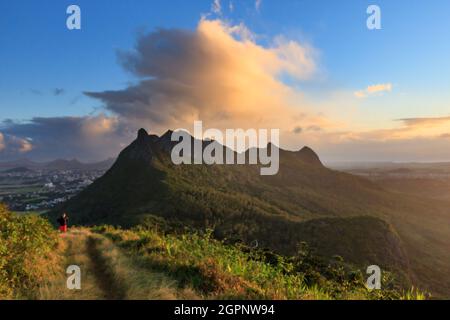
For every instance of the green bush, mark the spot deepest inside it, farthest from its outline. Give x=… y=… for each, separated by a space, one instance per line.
x=26 y=244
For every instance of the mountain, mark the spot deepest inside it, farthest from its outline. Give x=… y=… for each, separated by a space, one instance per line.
x=18 y=170
x=74 y=164
x=59 y=164
x=24 y=163
x=336 y=213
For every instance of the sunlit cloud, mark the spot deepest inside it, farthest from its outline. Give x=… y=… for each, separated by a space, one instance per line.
x=426 y=122
x=217 y=74
x=11 y=144
x=375 y=89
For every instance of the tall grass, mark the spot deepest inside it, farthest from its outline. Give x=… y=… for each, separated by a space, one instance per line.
x=134 y=281
x=218 y=271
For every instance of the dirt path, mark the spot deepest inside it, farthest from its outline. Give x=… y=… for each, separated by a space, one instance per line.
x=103 y=277
x=107 y=273
x=80 y=247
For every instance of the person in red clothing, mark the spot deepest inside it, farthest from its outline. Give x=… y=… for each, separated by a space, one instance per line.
x=63 y=222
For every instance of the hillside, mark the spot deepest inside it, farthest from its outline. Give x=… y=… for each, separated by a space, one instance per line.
x=153 y=263
x=305 y=201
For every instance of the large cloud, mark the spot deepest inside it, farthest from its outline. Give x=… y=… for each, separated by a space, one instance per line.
x=217 y=74
x=86 y=138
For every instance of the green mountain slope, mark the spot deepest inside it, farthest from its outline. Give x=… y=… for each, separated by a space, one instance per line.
x=304 y=202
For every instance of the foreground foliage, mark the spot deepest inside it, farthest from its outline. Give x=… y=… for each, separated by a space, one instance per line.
x=26 y=254
x=220 y=271
x=152 y=262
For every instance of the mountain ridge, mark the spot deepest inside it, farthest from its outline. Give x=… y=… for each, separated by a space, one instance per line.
x=57 y=164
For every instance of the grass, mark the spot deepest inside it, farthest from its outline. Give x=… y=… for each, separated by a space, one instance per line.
x=218 y=271
x=146 y=263
x=134 y=280
x=107 y=274
x=73 y=251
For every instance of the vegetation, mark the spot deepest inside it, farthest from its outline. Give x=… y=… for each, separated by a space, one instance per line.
x=153 y=261
x=215 y=270
x=107 y=273
x=27 y=257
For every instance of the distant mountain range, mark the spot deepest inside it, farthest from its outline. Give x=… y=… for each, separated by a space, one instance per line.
x=335 y=213
x=59 y=164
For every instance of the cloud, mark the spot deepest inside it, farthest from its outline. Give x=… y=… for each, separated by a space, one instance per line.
x=428 y=122
x=314 y=128
x=415 y=139
x=258 y=4
x=405 y=149
x=217 y=74
x=411 y=128
x=58 y=91
x=373 y=90
x=36 y=92
x=297 y=130
x=87 y=138
x=11 y=144
x=216 y=7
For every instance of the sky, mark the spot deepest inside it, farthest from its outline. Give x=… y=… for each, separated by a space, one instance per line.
x=313 y=69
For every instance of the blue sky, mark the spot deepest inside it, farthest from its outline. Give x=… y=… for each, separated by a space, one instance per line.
x=40 y=56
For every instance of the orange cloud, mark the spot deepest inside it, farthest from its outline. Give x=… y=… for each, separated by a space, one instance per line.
x=99 y=125
x=14 y=144
x=217 y=74
x=25 y=146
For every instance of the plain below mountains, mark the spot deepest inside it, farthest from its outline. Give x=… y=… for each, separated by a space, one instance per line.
x=335 y=213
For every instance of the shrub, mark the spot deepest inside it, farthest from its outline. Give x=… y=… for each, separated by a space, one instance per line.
x=26 y=244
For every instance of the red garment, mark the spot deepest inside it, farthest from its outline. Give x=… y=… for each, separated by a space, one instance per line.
x=63 y=228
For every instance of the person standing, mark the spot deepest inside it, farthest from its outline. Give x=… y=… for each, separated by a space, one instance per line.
x=63 y=222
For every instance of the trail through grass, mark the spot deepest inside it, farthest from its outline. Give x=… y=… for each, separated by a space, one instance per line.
x=106 y=273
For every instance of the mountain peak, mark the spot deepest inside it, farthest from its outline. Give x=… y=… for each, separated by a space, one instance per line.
x=142 y=134
x=306 y=154
x=168 y=134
